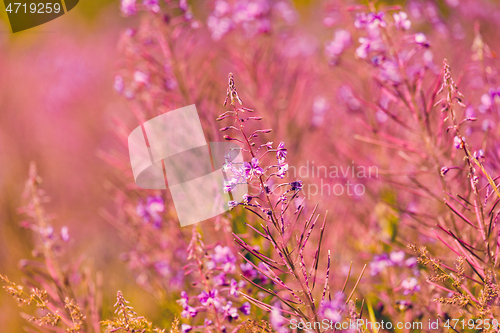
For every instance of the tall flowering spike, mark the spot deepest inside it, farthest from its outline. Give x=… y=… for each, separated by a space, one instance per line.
x=232 y=94
x=76 y=315
x=127 y=319
x=479 y=48
x=448 y=82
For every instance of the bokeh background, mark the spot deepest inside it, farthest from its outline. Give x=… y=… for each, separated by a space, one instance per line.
x=56 y=97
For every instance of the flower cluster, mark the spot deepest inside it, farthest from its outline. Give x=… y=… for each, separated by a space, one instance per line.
x=51 y=287
x=333 y=309
x=395 y=258
x=131 y=7
x=341 y=41
x=220 y=291
x=272 y=204
x=253 y=16
x=151 y=210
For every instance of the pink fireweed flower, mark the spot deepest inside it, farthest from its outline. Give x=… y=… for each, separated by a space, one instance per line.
x=47 y=231
x=223 y=257
x=401 y=21
x=245 y=308
x=378 y=60
x=320 y=106
x=371 y=22
x=252 y=168
x=232 y=204
x=119 y=85
x=379 y=263
x=282 y=170
x=361 y=20
x=220 y=280
x=329 y=21
x=381 y=116
x=263 y=26
x=375 y=20
x=369 y=44
x=489 y=99
x=151 y=210
x=228 y=187
x=207 y=299
x=411 y=262
x=170 y=83
x=219 y=26
x=458 y=143
x=240 y=174
x=281 y=152
x=495 y=95
x=432 y=12
x=415 y=9
x=183 y=301
x=485 y=103
x=141 y=78
x=152 y=5
x=332 y=310
x=346 y=95
x=252 y=16
x=248 y=271
x=297 y=185
x=246 y=198
x=389 y=71
x=397 y=257
x=410 y=286
x=278 y=322
x=428 y=58
x=420 y=39
x=263 y=268
x=286 y=11
x=228 y=164
x=469 y=112
x=128 y=7
x=246 y=11
x=233 y=288
x=363 y=50
x=341 y=41
x=486 y=125
x=229 y=312
x=183 y=5
x=189 y=312
x=479 y=154
x=65 y=234
x=162 y=268
x=185 y=328
x=221 y=8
